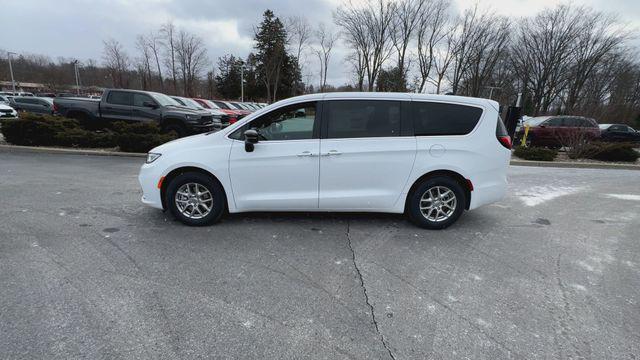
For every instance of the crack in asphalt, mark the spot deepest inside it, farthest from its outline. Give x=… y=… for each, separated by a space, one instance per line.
x=366 y=295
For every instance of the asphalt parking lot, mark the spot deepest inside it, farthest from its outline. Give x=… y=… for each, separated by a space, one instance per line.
x=87 y=271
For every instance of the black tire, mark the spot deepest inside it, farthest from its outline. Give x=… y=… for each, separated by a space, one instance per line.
x=414 y=201
x=178 y=128
x=213 y=186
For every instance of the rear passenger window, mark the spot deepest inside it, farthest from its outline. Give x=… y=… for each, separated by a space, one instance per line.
x=432 y=118
x=363 y=118
x=120 y=98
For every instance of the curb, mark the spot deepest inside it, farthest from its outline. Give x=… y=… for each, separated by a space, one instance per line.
x=50 y=150
x=552 y=164
x=573 y=165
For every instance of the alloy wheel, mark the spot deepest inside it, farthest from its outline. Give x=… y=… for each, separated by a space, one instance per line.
x=194 y=200
x=438 y=203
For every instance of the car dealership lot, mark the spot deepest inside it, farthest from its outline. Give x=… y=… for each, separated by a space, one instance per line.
x=87 y=271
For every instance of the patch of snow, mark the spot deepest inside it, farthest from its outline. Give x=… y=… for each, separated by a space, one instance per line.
x=631 y=197
x=537 y=195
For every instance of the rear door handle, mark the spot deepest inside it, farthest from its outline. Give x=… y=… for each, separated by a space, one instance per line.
x=332 y=152
x=305 y=153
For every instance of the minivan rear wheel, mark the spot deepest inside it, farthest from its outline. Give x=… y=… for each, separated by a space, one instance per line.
x=436 y=203
x=195 y=199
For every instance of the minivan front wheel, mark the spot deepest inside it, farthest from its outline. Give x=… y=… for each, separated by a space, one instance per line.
x=436 y=203
x=195 y=199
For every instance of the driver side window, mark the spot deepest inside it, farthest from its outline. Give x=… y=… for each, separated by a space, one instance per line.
x=294 y=122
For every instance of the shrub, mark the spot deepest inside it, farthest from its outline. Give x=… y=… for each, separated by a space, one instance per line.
x=47 y=130
x=535 y=153
x=140 y=137
x=614 y=152
x=84 y=138
x=35 y=130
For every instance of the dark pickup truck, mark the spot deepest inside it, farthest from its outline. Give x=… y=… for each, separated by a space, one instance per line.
x=137 y=106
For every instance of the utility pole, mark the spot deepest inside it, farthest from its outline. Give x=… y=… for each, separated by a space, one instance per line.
x=13 y=83
x=242 y=82
x=491 y=90
x=75 y=70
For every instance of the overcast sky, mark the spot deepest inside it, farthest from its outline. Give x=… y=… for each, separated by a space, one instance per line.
x=76 y=28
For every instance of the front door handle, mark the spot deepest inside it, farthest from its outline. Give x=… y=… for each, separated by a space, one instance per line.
x=305 y=153
x=332 y=152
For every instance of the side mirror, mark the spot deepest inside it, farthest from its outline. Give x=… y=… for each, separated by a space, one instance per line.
x=149 y=104
x=250 y=138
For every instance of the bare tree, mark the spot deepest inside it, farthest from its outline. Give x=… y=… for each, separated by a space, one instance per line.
x=144 y=62
x=432 y=30
x=154 y=42
x=598 y=38
x=367 y=30
x=325 y=39
x=168 y=33
x=191 y=56
x=442 y=59
x=545 y=48
x=408 y=17
x=116 y=61
x=299 y=33
x=488 y=47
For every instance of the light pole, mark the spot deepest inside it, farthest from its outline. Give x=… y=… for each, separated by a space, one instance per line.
x=242 y=82
x=75 y=70
x=13 y=83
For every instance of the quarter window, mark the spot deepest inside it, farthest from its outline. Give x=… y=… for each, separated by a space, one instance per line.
x=432 y=118
x=363 y=118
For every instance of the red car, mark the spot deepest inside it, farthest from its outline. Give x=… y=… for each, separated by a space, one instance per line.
x=234 y=114
x=208 y=104
x=551 y=130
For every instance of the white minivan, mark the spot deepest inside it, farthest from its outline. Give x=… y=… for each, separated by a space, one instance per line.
x=428 y=156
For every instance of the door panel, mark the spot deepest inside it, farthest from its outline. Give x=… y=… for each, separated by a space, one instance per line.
x=118 y=106
x=142 y=113
x=281 y=173
x=277 y=175
x=364 y=173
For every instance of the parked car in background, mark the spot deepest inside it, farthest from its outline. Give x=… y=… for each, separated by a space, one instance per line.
x=136 y=106
x=619 y=132
x=550 y=131
x=428 y=156
x=49 y=95
x=32 y=104
x=220 y=119
x=7 y=112
x=236 y=107
x=234 y=115
x=4 y=100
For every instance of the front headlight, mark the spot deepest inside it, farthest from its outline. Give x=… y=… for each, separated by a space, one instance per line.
x=151 y=157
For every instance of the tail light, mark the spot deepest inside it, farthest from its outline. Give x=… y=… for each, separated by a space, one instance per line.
x=55 y=107
x=502 y=135
x=505 y=141
x=232 y=120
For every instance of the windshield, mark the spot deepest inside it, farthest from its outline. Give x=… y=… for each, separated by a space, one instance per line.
x=164 y=100
x=537 y=120
x=221 y=105
x=193 y=103
x=211 y=104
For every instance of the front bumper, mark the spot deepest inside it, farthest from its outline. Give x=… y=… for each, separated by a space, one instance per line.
x=148 y=178
x=198 y=128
